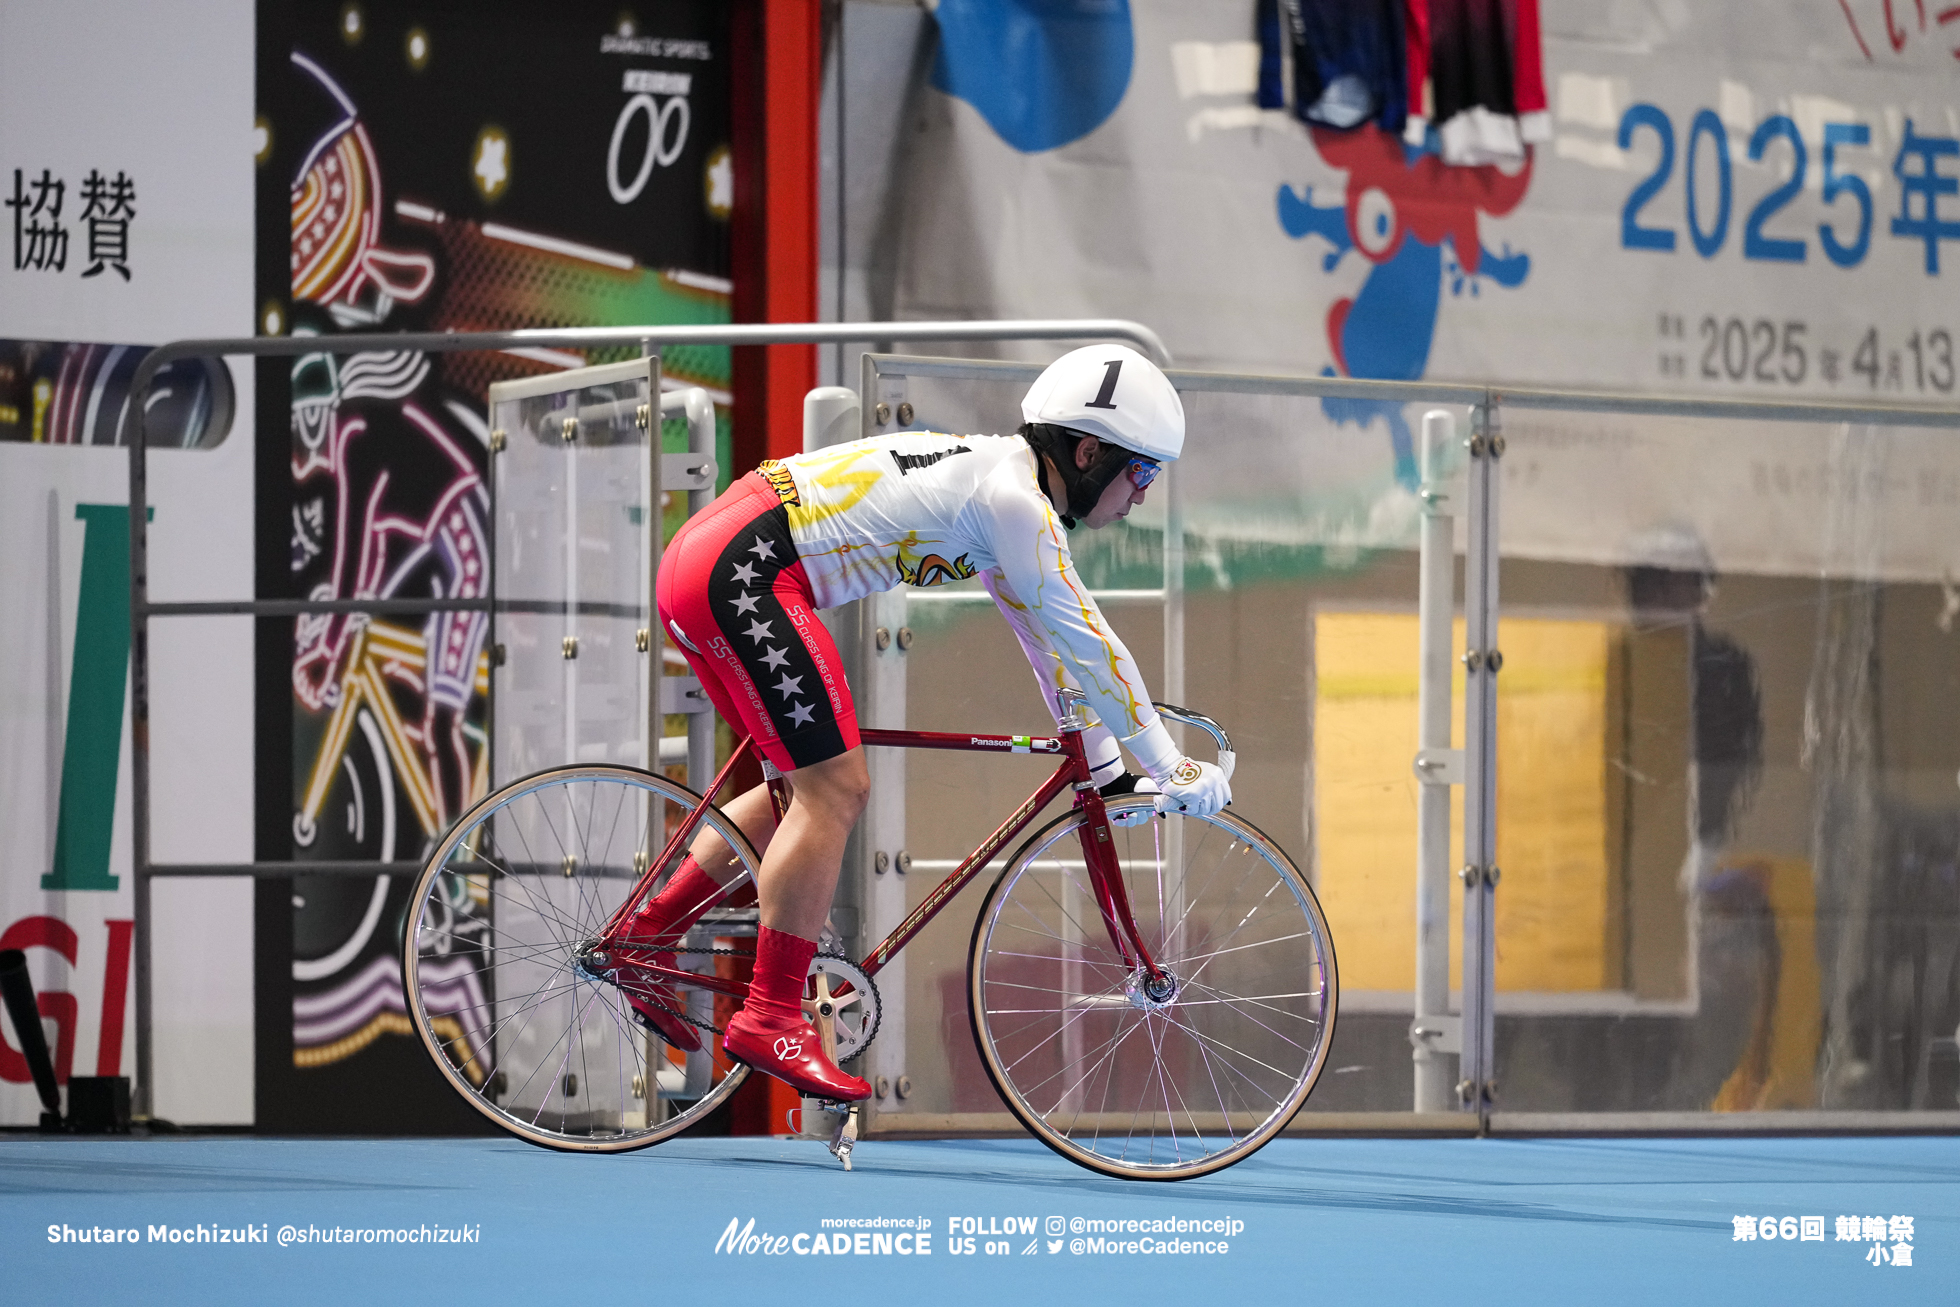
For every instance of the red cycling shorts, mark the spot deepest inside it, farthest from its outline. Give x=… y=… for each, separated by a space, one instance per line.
x=734 y=596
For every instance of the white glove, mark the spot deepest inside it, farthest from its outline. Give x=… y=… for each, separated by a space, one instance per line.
x=1195 y=788
x=1182 y=784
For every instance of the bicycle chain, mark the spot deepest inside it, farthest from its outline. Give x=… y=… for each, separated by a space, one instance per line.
x=709 y=1026
x=683 y=1017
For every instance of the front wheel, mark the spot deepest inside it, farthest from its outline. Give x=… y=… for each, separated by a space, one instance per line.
x=1161 y=1081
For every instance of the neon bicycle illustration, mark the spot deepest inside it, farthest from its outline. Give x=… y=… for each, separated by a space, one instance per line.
x=1152 y=995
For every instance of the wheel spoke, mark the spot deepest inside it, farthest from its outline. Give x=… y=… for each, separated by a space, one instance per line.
x=1211 y=1074
x=1227 y=1051
x=547 y=912
x=1109 y=1049
x=1251 y=912
x=1083 y=935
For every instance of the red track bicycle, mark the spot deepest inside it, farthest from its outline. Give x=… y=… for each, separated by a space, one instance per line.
x=1152 y=995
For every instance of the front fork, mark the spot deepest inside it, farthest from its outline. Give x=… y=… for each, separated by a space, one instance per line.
x=1099 y=852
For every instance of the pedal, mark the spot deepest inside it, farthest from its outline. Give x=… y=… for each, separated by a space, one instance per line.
x=844 y=1138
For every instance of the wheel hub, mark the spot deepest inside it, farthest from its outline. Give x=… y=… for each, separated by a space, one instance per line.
x=1152 y=993
x=590 y=960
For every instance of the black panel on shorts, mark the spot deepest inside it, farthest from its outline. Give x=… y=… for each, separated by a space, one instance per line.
x=742 y=597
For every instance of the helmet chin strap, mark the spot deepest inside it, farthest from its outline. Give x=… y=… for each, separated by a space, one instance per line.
x=1048 y=489
x=1083 y=486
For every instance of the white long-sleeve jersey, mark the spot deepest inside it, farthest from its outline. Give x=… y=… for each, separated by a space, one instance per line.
x=922 y=508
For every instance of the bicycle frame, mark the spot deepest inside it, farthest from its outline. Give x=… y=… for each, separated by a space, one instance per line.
x=1105 y=878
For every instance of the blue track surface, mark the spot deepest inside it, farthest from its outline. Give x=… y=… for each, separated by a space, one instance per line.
x=1518 y=1221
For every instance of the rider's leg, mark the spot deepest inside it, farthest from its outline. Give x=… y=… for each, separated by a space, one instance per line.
x=734 y=595
x=837 y=794
x=800 y=865
x=661 y=922
x=798 y=879
x=755 y=812
x=710 y=864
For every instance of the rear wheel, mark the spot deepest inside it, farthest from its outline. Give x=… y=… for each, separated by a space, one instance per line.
x=1142 y=1080
x=501 y=988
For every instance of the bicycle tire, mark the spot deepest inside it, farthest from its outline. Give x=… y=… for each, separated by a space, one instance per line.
x=534 y=1042
x=1223 y=1065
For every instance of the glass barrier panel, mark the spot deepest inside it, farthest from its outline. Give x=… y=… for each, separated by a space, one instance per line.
x=1302 y=518
x=573 y=578
x=1736 y=892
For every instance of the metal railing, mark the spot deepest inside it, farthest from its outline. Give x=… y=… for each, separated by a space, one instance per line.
x=1486 y=448
x=1471 y=1033
x=647 y=338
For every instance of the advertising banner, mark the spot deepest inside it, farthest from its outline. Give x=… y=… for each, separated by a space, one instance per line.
x=464 y=167
x=125 y=168
x=1741 y=200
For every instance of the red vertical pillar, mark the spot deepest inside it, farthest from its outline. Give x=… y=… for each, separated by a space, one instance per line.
x=776 y=46
x=777 y=51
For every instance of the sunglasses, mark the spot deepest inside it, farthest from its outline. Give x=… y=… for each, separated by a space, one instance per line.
x=1143 y=472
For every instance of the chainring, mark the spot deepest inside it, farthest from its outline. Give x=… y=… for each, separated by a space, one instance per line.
x=859 y=1012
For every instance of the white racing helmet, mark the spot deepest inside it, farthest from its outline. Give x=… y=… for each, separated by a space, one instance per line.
x=1113 y=393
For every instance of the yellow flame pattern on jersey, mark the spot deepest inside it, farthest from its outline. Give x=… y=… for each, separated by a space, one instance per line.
x=835 y=484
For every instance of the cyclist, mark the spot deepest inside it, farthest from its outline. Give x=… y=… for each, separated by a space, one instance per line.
x=739 y=591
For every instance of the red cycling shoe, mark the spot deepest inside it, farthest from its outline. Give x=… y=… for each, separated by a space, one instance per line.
x=655 y=1000
x=793 y=1053
x=663 y=920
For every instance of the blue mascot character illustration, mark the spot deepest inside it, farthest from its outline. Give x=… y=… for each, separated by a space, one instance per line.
x=1403 y=206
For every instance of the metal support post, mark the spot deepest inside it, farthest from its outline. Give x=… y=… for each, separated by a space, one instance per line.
x=1477 y=1087
x=142 y=1097
x=873 y=637
x=700 y=473
x=879 y=639
x=1174 y=687
x=1173 y=691
x=656 y=520
x=831 y=417
x=1437 y=1036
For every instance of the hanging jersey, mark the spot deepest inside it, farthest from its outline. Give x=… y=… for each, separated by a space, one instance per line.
x=921 y=508
x=1470 y=74
x=1415 y=42
x=1346 y=56
x=1528 y=70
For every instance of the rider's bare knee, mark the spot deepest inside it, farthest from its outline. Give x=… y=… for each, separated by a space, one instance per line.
x=849 y=792
x=851 y=802
x=840 y=787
